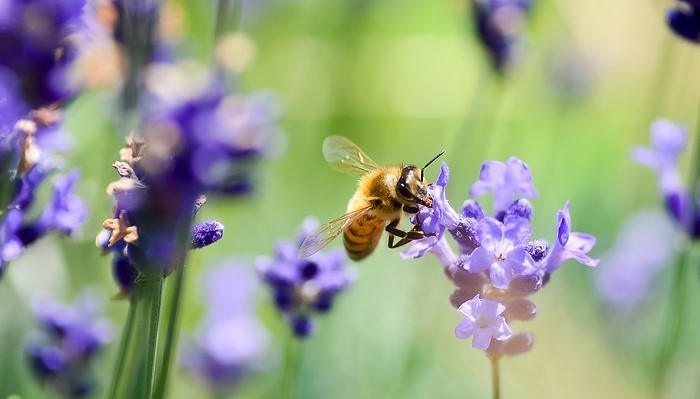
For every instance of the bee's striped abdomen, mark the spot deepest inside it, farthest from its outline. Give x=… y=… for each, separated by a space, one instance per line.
x=362 y=237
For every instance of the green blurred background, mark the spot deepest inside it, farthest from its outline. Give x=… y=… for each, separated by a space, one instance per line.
x=406 y=79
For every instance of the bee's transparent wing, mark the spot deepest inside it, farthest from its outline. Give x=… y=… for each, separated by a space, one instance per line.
x=345 y=156
x=326 y=232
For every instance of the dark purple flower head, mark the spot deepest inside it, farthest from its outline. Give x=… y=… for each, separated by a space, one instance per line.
x=684 y=20
x=38 y=41
x=505 y=181
x=499 y=25
x=206 y=233
x=303 y=286
x=69 y=337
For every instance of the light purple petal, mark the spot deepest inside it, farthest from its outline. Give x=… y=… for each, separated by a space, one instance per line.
x=517 y=230
x=489 y=232
x=481 y=339
x=418 y=248
x=480 y=260
x=501 y=330
x=464 y=329
x=500 y=275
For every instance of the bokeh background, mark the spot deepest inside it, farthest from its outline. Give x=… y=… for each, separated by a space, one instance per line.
x=406 y=79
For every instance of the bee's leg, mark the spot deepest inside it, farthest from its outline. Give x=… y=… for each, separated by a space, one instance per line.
x=406 y=236
x=410 y=209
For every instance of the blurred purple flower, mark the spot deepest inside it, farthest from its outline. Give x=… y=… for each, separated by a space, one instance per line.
x=301 y=287
x=230 y=343
x=643 y=247
x=66 y=211
x=69 y=338
x=504 y=180
x=684 y=20
x=501 y=251
x=206 y=233
x=482 y=321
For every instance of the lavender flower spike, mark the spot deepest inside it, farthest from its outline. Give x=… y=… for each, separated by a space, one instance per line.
x=206 y=233
x=482 y=322
x=505 y=180
x=569 y=245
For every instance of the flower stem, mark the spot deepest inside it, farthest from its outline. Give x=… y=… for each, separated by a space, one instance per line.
x=495 y=377
x=123 y=349
x=291 y=368
x=172 y=317
x=678 y=302
x=136 y=367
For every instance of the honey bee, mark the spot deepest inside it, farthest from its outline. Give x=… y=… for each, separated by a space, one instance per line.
x=383 y=195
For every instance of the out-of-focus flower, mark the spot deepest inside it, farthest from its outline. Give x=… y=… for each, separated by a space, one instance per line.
x=230 y=342
x=668 y=141
x=301 y=287
x=62 y=351
x=498 y=265
x=684 y=20
x=643 y=247
x=499 y=25
x=482 y=321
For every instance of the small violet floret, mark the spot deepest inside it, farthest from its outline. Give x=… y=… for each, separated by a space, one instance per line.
x=504 y=180
x=482 y=321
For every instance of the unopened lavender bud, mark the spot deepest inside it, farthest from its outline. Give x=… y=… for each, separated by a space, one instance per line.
x=520 y=309
x=524 y=285
x=465 y=234
x=520 y=208
x=206 y=233
x=464 y=279
x=537 y=249
x=472 y=209
x=518 y=344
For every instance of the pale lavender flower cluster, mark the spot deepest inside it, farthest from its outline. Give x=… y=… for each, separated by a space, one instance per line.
x=668 y=140
x=62 y=350
x=498 y=264
x=302 y=287
x=230 y=342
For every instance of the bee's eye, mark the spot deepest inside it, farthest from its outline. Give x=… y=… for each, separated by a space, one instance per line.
x=403 y=191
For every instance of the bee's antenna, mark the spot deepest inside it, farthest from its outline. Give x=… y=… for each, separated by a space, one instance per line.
x=429 y=162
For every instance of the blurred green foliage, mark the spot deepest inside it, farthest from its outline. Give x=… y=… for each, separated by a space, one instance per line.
x=405 y=80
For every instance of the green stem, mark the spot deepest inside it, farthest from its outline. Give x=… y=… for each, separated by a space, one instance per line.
x=123 y=350
x=172 y=318
x=291 y=368
x=136 y=367
x=495 y=377
x=678 y=302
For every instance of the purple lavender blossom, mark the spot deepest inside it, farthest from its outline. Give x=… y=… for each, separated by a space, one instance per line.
x=66 y=211
x=499 y=27
x=68 y=341
x=504 y=180
x=501 y=251
x=643 y=247
x=569 y=245
x=482 y=321
x=231 y=343
x=206 y=233
x=684 y=20
x=301 y=287
x=668 y=141
x=38 y=42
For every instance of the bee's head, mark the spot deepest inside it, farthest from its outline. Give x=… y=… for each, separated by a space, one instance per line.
x=411 y=188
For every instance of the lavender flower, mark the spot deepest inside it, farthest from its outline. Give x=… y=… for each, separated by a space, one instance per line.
x=62 y=351
x=684 y=20
x=482 y=321
x=301 y=287
x=643 y=247
x=499 y=27
x=668 y=141
x=230 y=343
x=498 y=265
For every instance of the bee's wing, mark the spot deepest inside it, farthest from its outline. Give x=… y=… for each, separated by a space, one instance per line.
x=325 y=233
x=345 y=156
